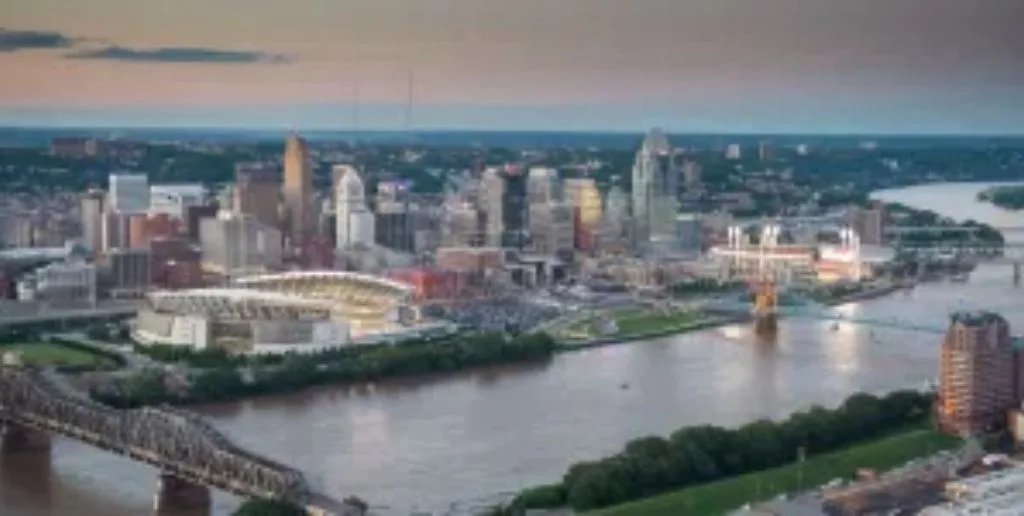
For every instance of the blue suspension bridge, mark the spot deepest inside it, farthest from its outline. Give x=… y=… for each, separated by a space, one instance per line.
x=801 y=307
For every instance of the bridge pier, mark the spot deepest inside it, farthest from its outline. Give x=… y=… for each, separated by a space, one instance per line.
x=175 y=494
x=766 y=324
x=17 y=438
x=1016 y=273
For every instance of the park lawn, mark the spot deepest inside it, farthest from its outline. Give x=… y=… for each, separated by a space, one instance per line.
x=633 y=323
x=636 y=322
x=52 y=354
x=720 y=497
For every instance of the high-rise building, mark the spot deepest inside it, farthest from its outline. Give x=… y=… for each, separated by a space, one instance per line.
x=869 y=224
x=239 y=244
x=551 y=228
x=583 y=196
x=173 y=200
x=257 y=192
x=540 y=185
x=129 y=193
x=298 y=188
x=616 y=217
x=92 y=212
x=655 y=194
x=128 y=272
x=460 y=224
x=490 y=199
x=354 y=222
x=765 y=151
x=394 y=225
x=514 y=210
x=979 y=373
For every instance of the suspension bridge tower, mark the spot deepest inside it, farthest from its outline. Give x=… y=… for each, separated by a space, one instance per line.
x=765 y=309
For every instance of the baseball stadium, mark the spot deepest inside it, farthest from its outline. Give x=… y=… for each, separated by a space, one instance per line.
x=298 y=311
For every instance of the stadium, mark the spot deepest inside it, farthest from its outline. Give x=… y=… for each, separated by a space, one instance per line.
x=300 y=311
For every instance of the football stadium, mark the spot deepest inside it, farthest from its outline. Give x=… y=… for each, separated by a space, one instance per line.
x=299 y=311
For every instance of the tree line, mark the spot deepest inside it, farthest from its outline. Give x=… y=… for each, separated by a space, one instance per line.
x=215 y=375
x=695 y=455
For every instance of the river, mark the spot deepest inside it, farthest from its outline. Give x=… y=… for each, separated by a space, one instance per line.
x=441 y=445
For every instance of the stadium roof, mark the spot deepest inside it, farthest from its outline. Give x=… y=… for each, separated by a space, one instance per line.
x=239 y=296
x=327 y=275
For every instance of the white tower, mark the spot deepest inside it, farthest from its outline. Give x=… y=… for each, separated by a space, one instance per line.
x=354 y=221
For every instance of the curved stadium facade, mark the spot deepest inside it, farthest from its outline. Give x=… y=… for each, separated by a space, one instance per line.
x=302 y=311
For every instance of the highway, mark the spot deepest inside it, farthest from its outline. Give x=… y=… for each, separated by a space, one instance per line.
x=19 y=313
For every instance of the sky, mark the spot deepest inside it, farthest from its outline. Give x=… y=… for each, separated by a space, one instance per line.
x=762 y=66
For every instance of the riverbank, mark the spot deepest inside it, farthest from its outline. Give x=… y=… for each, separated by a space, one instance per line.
x=216 y=376
x=1009 y=198
x=698 y=457
x=720 y=497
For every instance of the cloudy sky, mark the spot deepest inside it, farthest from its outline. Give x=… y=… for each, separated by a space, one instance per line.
x=934 y=66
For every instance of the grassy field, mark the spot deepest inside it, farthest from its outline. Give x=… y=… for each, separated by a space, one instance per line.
x=632 y=323
x=723 y=496
x=640 y=322
x=48 y=353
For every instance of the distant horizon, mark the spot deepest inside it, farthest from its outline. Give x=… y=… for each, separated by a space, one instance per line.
x=284 y=130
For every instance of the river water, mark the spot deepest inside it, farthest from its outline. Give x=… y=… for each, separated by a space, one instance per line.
x=442 y=445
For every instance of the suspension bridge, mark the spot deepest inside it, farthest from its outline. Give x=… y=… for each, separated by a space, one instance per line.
x=190 y=454
x=802 y=307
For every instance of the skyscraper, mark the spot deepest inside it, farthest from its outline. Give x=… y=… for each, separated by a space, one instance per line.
x=540 y=185
x=490 y=199
x=257 y=192
x=92 y=212
x=354 y=222
x=979 y=373
x=655 y=194
x=514 y=210
x=129 y=194
x=298 y=188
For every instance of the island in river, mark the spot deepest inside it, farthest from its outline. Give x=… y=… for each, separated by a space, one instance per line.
x=1006 y=197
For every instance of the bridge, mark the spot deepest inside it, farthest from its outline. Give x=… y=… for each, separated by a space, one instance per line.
x=21 y=314
x=190 y=454
x=810 y=309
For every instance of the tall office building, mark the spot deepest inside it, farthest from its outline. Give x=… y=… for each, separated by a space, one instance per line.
x=583 y=196
x=394 y=227
x=236 y=244
x=490 y=199
x=257 y=192
x=129 y=194
x=979 y=373
x=655 y=194
x=514 y=210
x=298 y=188
x=551 y=228
x=541 y=185
x=92 y=213
x=354 y=222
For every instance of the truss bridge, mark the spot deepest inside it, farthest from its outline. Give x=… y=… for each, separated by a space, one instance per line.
x=190 y=454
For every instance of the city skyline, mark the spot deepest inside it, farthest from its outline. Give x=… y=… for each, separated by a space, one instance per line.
x=729 y=66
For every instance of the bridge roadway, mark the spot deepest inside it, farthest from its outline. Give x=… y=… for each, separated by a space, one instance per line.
x=187 y=450
x=22 y=313
x=810 y=309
